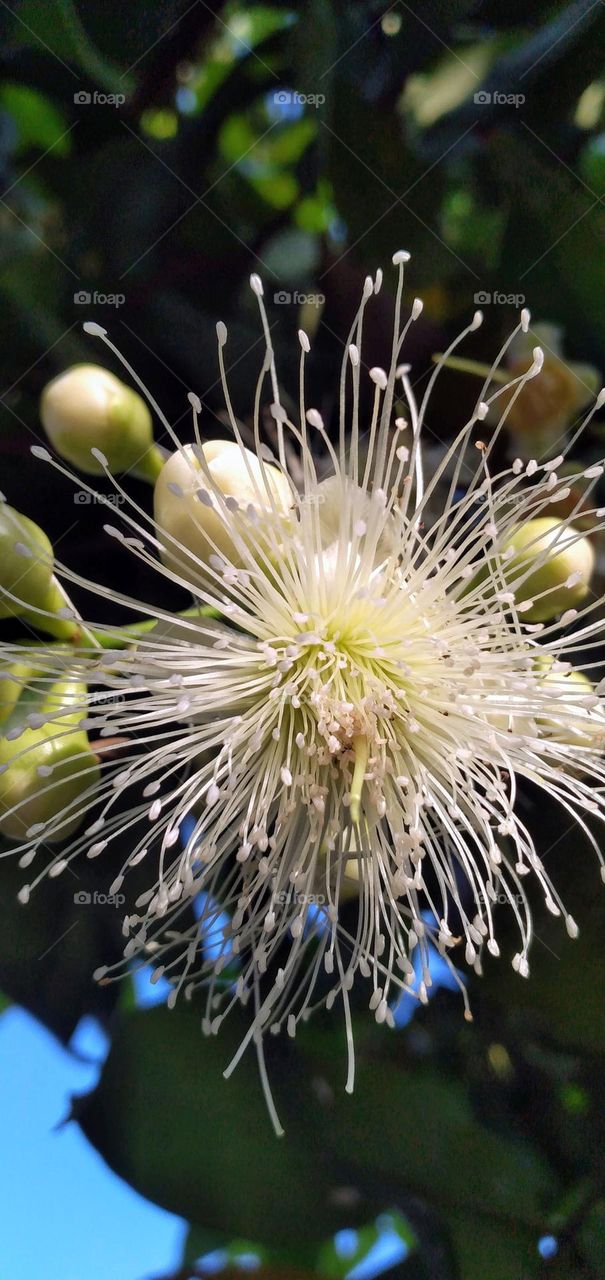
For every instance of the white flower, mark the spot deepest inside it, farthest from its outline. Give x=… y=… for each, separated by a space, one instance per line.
x=355 y=718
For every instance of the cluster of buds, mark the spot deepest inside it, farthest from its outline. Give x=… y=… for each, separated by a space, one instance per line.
x=46 y=761
x=29 y=588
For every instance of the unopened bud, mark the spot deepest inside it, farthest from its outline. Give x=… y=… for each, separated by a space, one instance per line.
x=27 y=581
x=46 y=770
x=13 y=678
x=210 y=501
x=570 y=721
x=564 y=562
x=86 y=408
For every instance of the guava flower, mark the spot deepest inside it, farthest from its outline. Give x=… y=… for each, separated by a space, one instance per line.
x=347 y=712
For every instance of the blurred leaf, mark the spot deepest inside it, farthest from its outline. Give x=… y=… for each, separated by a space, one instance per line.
x=564 y=992
x=49 y=949
x=591 y=164
x=59 y=28
x=210 y=1154
x=552 y=248
x=487 y=1249
x=431 y=94
x=283 y=145
x=199 y=1241
x=38 y=122
x=202 y=1146
x=592 y=1238
x=280 y=191
x=292 y=255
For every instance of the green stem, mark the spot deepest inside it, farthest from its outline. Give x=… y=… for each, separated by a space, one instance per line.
x=67 y=629
x=462 y=365
x=361 y=751
x=149 y=466
x=122 y=637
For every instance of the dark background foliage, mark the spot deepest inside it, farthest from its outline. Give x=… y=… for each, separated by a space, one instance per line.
x=487 y=1139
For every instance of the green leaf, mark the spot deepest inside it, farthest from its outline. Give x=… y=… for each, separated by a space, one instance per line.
x=563 y=995
x=554 y=236
x=58 y=28
x=419 y=1126
x=165 y=1120
x=592 y=1238
x=38 y=122
x=49 y=948
x=488 y=1249
x=199 y=1241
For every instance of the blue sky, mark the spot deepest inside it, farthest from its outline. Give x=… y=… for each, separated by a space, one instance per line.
x=64 y=1213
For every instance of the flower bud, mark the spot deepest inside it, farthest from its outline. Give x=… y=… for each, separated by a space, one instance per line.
x=47 y=769
x=13 y=677
x=542 y=411
x=563 y=576
x=570 y=721
x=188 y=504
x=577 y=500
x=26 y=571
x=330 y=495
x=88 y=407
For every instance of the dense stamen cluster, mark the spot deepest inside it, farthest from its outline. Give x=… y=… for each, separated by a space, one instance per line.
x=352 y=722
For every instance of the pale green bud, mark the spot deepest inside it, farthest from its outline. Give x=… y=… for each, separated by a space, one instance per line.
x=578 y=725
x=187 y=509
x=564 y=576
x=44 y=770
x=86 y=408
x=27 y=572
x=13 y=678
